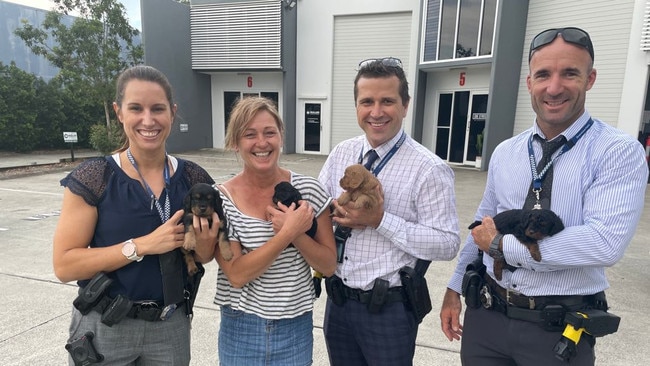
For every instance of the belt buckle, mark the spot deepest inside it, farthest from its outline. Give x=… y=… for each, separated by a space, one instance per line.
x=531 y=299
x=148 y=305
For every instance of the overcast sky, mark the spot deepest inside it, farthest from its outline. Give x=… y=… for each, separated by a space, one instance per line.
x=132 y=8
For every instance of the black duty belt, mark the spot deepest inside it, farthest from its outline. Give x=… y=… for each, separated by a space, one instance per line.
x=394 y=294
x=547 y=311
x=516 y=299
x=147 y=310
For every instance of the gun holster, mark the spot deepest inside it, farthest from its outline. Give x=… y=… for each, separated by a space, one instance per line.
x=473 y=281
x=416 y=291
x=92 y=293
x=335 y=290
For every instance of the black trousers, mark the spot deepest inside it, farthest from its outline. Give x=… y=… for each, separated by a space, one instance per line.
x=355 y=337
x=492 y=339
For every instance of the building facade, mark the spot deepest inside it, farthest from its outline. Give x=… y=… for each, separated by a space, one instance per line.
x=466 y=62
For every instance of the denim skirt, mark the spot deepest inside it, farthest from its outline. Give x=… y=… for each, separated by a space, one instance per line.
x=248 y=340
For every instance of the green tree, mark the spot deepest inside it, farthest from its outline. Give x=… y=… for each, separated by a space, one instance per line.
x=91 y=52
x=18 y=109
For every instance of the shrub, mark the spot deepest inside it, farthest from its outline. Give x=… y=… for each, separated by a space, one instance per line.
x=106 y=141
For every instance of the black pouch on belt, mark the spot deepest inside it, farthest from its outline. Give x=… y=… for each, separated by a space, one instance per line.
x=335 y=290
x=116 y=310
x=473 y=282
x=90 y=295
x=378 y=296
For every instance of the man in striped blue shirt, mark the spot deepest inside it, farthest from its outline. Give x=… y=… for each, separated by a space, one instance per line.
x=598 y=179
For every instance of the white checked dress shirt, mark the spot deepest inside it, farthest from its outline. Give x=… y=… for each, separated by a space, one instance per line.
x=420 y=219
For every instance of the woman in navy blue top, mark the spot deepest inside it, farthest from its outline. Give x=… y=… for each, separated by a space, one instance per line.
x=121 y=216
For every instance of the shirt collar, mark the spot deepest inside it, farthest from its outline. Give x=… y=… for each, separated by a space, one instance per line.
x=569 y=132
x=384 y=148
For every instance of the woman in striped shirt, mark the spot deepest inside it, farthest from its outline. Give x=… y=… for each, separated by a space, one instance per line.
x=266 y=292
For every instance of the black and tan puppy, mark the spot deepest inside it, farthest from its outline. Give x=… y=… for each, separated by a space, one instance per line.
x=288 y=194
x=528 y=226
x=203 y=200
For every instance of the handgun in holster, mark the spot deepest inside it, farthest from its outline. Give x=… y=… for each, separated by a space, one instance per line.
x=335 y=290
x=92 y=293
x=473 y=281
x=596 y=323
x=416 y=289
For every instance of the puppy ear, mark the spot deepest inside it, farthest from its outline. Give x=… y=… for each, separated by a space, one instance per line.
x=187 y=201
x=215 y=199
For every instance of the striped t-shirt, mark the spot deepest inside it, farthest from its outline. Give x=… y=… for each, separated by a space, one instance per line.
x=285 y=290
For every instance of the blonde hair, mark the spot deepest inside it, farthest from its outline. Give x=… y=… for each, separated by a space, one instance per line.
x=243 y=112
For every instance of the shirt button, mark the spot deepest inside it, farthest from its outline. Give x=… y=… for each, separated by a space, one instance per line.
x=345 y=279
x=514 y=285
x=518 y=264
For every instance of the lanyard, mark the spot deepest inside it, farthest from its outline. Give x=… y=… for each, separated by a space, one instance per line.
x=390 y=154
x=539 y=178
x=166 y=213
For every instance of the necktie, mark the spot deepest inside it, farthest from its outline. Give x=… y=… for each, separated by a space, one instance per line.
x=548 y=148
x=371 y=156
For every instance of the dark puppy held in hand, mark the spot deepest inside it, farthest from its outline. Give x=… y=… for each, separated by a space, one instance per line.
x=288 y=194
x=528 y=226
x=203 y=200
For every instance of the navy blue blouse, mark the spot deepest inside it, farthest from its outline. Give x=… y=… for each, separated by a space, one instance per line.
x=124 y=212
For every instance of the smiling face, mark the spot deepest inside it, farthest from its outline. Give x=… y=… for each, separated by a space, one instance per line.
x=380 y=109
x=561 y=73
x=145 y=114
x=260 y=143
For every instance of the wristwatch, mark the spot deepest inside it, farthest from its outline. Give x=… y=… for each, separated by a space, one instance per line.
x=494 y=251
x=130 y=251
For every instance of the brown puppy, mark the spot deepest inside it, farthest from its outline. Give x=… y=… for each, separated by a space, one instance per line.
x=202 y=200
x=360 y=187
x=528 y=226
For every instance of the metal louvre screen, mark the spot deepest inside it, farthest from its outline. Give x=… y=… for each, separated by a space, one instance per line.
x=237 y=35
x=645 y=32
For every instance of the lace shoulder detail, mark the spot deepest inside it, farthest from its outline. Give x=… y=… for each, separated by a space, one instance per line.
x=196 y=174
x=89 y=180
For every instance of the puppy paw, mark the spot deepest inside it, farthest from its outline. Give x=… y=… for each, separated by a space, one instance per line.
x=190 y=240
x=192 y=269
x=498 y=269
x=535 y=253
x=226 y=252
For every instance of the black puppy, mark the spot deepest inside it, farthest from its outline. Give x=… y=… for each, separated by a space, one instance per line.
x=202 y=200
x=288 y=194
x=528 y=226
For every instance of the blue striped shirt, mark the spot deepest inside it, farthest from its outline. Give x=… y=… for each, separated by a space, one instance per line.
x=598 y=192
x=419 y=221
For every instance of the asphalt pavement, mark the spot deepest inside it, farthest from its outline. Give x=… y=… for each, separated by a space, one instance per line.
x=36 y=307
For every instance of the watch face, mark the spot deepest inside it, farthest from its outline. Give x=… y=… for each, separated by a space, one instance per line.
x=128 y=249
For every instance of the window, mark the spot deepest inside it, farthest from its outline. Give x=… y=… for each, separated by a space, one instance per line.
x=465 y=28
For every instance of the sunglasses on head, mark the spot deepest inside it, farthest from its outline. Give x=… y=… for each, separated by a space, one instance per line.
x=386 y=61
x=570 y=34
